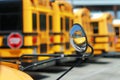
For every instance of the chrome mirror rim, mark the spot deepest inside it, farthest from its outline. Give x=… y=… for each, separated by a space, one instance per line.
x=81 y=50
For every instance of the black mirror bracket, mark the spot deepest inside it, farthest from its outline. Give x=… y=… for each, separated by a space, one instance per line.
x=89 y=55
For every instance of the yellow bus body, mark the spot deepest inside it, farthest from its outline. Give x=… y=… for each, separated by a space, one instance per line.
x=38 y=20
x=12 y=74
x=45 y=30
x=66 y=22
x=44 y=24
x=103 y=33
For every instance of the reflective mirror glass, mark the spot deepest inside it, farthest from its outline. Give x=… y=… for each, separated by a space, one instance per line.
x=78 y=38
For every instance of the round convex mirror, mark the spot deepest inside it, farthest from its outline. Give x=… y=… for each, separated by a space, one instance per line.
x=78 y=38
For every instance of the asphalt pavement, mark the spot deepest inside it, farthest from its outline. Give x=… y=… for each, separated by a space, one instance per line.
x=103 y=68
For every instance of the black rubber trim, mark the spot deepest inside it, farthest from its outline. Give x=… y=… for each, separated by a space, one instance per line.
x=58 y=43
x=6 y=47
x=98 y=49
x=25 y=34
x=15 y=58
x=61 y=4
x=30 y=34
x=100 y=42
x=59 y=52
x=60 y=33
x=101 y=36
x=4 y=33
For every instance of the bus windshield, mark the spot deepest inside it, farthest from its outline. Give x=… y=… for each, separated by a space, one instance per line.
x=10 y=15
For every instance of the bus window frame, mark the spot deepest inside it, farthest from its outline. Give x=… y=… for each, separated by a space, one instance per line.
x=94 y=28
x=34 y=28
x=42 y=22
x=50 y=20
x=67 y=23
x=61 y=23
x=116 y=31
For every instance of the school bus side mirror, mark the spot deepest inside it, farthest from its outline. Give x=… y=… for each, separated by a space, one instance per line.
x=78 y=38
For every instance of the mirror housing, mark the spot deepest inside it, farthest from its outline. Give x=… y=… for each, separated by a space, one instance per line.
x=78 y=38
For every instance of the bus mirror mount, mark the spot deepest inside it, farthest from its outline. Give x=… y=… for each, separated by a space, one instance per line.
x=78 y=40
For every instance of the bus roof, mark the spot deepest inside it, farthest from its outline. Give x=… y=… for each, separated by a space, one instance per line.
x=96 y=15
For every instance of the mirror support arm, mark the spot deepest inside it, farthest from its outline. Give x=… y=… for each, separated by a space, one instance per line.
x=56 y=57
x=92 y=50
x=84 y=56
x=77 y=62
x=39 y=63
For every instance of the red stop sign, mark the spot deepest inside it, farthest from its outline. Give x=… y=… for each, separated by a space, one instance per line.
x=15 y=40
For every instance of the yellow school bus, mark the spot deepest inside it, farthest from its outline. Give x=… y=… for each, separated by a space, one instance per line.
x=116 y=25
x=103 y=32
x=26 y=27
x=35 y=27
x=82 y=17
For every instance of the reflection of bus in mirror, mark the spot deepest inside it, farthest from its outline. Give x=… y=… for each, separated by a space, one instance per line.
x=103 y=33
x=77 y=34
x=78 y=38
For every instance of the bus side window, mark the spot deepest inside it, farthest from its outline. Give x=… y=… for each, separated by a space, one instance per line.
x=67 y=21
x=61 y=23
x=50 y=23
x=71 y=23
x=42 y=18
x=34 y=21
x=95 y=27
x=117 y=31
